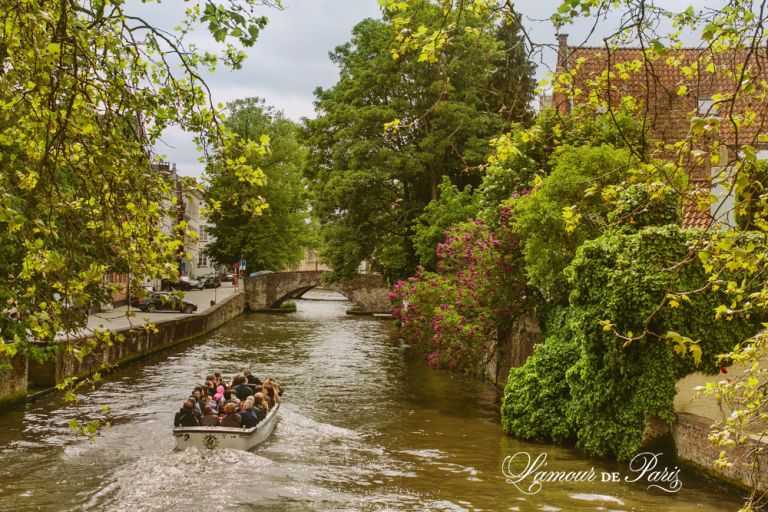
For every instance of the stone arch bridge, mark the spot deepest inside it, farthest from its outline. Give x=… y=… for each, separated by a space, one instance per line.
x=267 y=291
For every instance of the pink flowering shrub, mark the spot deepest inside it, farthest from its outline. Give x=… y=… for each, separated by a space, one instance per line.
x=453 y=316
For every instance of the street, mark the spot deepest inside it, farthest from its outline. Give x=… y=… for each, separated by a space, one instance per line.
x=119 y=319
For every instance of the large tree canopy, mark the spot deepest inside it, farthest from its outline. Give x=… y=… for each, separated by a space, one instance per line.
x=86 y=89
x=275 y=239
x=370 y=184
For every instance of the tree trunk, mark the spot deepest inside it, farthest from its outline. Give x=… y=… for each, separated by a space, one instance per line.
x=434 y=176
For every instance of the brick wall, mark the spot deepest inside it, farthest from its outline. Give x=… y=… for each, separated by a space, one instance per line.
x=691 y=433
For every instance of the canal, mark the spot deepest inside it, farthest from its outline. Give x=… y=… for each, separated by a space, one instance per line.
x=364 y=426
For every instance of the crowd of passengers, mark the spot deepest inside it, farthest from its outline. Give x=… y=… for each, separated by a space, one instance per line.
x=241 y=403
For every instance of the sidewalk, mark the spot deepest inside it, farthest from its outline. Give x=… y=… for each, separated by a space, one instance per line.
x=170 y=329
x=118 y=318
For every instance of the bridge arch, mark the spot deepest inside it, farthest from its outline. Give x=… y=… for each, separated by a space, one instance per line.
x=267 y=291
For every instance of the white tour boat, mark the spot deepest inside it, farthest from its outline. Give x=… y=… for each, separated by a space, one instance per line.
x=212 y=438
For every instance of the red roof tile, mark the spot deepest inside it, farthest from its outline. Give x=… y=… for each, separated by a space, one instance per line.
x=667 y=95
x=693 y=217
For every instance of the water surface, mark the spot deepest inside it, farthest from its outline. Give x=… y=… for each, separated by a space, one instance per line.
x=364 y=426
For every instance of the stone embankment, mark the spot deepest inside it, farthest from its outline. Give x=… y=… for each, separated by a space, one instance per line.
x=690 y=432
x=695 y=417
x=21 y=378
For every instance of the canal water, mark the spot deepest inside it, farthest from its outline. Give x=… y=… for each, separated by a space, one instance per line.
x=364 y=426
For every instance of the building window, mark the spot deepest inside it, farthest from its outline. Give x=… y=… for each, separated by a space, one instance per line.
x=707 y=107
x=202 y=260
x=203 y=234
x=723 y=210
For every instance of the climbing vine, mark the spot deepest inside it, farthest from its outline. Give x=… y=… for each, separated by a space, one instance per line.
x=630 y=355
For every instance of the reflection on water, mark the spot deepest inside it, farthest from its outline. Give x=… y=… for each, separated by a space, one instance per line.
x=364 y=426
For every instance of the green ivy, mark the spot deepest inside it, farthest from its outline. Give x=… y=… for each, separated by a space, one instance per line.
x=626 y=369
x=544 y=394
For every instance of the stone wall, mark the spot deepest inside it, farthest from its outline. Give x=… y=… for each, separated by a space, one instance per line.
x=689 y=400
x=513 y=349
x=13 y=379
x=370 y=291
x=691 y=433
x=138 y=343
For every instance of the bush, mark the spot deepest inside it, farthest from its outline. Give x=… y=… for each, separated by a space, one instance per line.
x=453 y=206
x=453 y=316
x=646 y=204
x=627 y=369
x=549 y=242
x=537 y=394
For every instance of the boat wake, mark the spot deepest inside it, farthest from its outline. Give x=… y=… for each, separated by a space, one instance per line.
x=304 y=462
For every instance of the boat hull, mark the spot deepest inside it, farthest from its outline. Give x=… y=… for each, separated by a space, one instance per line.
x=212 y=438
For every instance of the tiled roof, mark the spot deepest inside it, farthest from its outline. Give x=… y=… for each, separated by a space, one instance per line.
x=667 y=96
x=693 y=217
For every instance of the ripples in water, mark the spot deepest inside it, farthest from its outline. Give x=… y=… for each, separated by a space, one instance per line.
x=364 y=426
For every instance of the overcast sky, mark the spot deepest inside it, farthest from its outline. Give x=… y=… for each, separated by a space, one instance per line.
x=290 y=58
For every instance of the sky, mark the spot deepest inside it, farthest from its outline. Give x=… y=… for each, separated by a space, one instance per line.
x=290 y=58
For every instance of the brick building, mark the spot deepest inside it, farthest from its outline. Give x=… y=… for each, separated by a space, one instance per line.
x=671 y=90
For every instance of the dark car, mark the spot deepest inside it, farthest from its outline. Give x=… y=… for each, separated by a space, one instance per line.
x=164 y=301
x=210 y=281
x=228 y=277
x=184 y=283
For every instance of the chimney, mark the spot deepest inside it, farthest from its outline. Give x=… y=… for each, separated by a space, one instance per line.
x=562 y=51
x=559 y=99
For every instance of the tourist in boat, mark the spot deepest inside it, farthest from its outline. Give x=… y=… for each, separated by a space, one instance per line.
x=229 y=399
x=210 y=385
x=210 y=417
x=250 y=378
x=241 y=389
x=270 y=382
x=260 y=400
x=270 y=394
x=213 y=404
x=232 y=419
x=186 y=417
x=218 y=397
x=195 y=406
x=247 y=415
x=199 y=398
x=259 y=406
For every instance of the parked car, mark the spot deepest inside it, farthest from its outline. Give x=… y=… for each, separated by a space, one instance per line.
x=191 y=282
x=184 y=283
x=260 y=273
x=164 y=301
x=210 y=280
x=228 y=277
